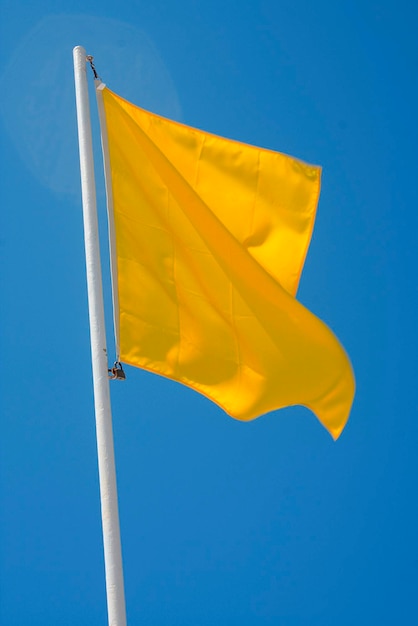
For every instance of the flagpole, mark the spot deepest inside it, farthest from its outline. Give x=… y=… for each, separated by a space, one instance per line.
x=107 y=475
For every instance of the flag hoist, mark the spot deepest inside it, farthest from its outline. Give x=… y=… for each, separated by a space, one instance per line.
x=208 y=240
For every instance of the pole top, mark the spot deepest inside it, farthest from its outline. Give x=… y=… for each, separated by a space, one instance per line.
x=79 y=52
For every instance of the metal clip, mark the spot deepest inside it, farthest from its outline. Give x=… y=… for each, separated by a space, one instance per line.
x=90 y=59
x=116 y=372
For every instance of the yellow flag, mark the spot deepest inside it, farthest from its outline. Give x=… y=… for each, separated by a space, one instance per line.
x=210 y=240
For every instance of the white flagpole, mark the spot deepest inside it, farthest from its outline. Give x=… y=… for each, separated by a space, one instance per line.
x=107 y=474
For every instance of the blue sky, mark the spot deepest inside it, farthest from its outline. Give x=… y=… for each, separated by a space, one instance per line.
x=259 y=524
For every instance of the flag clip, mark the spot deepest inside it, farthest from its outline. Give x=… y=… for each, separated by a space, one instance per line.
x=116 y=372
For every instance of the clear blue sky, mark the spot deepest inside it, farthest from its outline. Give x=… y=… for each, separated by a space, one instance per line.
x=269 y=523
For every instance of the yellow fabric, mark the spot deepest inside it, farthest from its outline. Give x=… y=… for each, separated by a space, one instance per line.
x=211 y=238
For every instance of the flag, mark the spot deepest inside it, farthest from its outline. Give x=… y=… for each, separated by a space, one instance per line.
x=210 y=237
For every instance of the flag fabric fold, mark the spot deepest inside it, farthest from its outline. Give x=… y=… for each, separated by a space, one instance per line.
x=210 y=240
